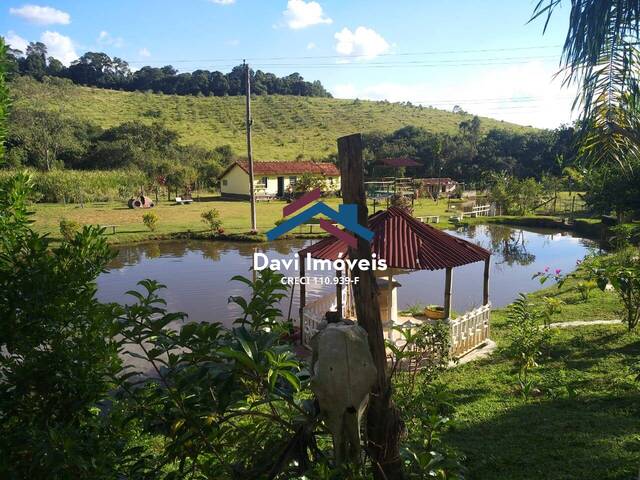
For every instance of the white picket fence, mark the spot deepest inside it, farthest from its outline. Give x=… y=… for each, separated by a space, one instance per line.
x=313 y=313
x=468 y=331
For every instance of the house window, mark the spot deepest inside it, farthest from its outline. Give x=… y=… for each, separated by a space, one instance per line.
x=292 y=180
x=263 y=182
x=224 y=182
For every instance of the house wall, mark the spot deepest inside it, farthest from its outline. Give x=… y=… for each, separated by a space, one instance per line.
x=237 y=184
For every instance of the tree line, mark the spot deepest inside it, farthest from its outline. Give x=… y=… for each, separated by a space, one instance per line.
x=97 y=69
x=470 y=155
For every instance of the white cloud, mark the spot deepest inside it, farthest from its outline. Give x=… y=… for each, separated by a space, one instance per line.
x=106 y=39
x=524 y=94
x=364 y=42
x=41 y=15
x=311 y=46
x=59 y=46
x=144 y=52
x=300 y=14
x=223 y=2
x=16 y=41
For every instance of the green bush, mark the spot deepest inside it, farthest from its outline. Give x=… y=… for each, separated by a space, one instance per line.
x=622 y=272
x=69 y=229
x=58 y=357
x=527 y=337
x=212 y=219
x=150 y=221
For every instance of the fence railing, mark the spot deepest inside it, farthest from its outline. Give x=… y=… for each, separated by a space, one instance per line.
x=470 y=330
x=467 y=332
x=313 y=313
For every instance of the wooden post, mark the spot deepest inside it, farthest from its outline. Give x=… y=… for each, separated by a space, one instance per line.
x=303 y=300
x=339 y=293
x=383 y=421
x=249 y=121
x=447 y=292
x=485 y=286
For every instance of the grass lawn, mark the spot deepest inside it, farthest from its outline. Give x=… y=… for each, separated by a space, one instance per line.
x=283 y=126
x=174 y=219
x=584 y=424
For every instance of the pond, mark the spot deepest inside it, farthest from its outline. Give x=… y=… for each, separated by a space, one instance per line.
x=197 y=273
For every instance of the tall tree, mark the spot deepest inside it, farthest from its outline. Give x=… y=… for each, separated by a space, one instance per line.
x=600 y=55
x=4 y=96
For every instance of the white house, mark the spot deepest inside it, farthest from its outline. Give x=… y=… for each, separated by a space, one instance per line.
x=273 y=179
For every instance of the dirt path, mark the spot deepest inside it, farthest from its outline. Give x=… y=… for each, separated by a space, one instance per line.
x=582 y=323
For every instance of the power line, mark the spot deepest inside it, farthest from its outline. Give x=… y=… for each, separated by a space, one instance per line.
x=313 y=57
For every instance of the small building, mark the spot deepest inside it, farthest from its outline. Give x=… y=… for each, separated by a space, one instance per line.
x=438 y=186
x=274 y=179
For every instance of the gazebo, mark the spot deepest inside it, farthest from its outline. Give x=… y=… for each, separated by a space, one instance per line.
x=407 y=245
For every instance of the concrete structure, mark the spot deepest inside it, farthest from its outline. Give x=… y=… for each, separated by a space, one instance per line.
x=438 y=186
x=274 y=179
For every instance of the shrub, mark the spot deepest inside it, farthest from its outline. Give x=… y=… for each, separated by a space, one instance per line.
x=69 y=228
x=150 y=221
x=57 y=354
x=622 y=272
x=584 y=289
x=212 y=219
x=527 y=336
x=235 y=392
x=306 y=183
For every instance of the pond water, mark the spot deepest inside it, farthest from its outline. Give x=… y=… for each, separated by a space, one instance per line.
x=197 y=273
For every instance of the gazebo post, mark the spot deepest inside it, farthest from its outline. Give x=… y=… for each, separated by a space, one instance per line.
x=390 y=298
x=303 y=300
x=447 y=292
x=339 y=293
x=485 y=287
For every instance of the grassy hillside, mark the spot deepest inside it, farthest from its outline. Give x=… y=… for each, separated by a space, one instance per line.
x=284 y=126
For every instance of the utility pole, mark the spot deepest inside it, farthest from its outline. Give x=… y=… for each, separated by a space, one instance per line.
x=249 y=121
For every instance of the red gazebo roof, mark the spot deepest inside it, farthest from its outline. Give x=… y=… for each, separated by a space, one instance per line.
x=399 y=162
x=406 y=243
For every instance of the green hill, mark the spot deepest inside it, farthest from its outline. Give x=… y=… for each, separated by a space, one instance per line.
x=284 y=126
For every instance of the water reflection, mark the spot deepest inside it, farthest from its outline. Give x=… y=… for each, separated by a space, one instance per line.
x=197 y=273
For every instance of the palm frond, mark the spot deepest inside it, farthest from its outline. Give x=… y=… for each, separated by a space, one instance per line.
x=600 y=55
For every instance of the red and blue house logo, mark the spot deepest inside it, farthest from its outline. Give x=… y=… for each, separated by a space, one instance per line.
x=346 y=215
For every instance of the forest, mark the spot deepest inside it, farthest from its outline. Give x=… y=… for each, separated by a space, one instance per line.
x=97 y=69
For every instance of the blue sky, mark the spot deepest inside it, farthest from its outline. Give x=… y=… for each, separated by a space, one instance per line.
x=480 y=55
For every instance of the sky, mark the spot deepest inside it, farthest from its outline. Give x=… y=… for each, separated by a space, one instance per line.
x=481 y=55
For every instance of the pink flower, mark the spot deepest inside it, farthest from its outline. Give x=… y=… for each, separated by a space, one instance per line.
x=558 y=271
x=546 y=269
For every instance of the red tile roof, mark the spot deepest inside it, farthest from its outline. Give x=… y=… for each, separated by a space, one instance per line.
x=406 y=243
x=399 y=162
x=287 y=168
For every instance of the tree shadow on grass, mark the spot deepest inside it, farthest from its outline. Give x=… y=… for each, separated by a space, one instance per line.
x=555 y=439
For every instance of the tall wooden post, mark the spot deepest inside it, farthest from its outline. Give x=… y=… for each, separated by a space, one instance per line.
x=249 y=121
x=448 y=292
x=485 y=285
x=339 y=293
x=303 y=299
x=383 y=421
